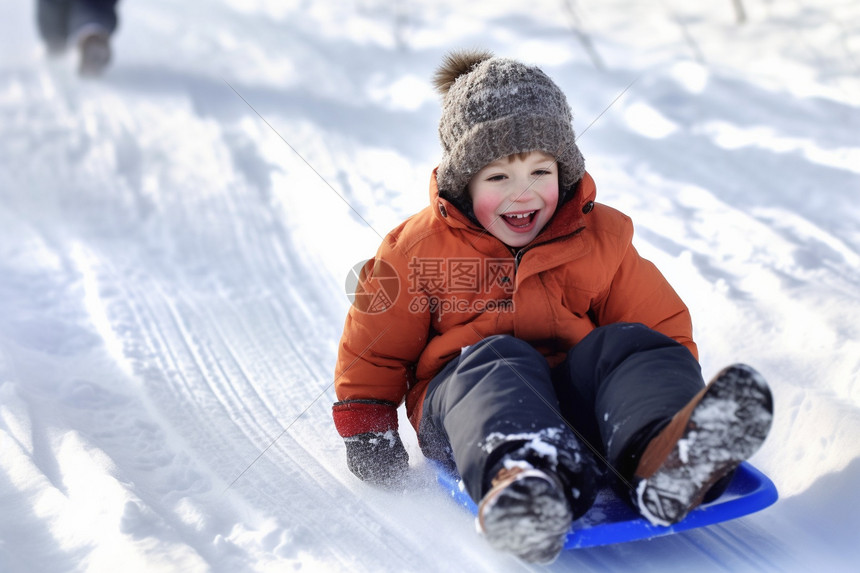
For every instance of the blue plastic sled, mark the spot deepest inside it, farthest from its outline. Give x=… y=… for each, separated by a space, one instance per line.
x=612 y=520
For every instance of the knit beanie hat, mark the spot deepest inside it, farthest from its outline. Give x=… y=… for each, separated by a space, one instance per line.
x=495 y=107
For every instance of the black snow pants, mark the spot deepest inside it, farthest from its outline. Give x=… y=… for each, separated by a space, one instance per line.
x=615 y=390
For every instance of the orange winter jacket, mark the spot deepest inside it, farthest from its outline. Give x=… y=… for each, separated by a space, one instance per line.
x=439 y=282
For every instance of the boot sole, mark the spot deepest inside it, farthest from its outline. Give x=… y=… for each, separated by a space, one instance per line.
x=725 y=426
x=529 y=517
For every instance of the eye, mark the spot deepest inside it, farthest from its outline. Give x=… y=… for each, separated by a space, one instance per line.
x=541 y=172
x=498 y=177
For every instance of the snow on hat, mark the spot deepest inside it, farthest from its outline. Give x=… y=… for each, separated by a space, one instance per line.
x=495 y=107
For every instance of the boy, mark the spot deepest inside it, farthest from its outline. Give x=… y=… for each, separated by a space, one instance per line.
x=538 y=354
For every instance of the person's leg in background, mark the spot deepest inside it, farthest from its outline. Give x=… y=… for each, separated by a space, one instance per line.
x=91 y=26
x=52 y=19
x=87 y=25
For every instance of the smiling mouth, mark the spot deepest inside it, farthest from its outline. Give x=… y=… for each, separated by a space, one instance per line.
x=520 y=222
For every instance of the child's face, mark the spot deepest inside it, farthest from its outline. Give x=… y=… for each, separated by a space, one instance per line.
x=513 y=198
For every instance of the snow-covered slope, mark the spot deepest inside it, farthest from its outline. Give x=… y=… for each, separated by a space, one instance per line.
x=174 y=240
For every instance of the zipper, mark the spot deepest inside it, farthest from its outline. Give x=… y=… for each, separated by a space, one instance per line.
x=518 y=255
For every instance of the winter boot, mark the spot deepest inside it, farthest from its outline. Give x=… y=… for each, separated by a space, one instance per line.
x=556 y=451
x=719 y=428
x=95 y=52
x=526 y=513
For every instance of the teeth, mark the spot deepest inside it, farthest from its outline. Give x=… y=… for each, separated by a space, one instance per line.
x=520 y=216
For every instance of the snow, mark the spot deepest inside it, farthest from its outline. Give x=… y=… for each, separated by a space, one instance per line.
x=173 y=260
x=646 y=513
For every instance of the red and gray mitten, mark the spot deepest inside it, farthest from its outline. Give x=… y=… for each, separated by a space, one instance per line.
x=374 y=450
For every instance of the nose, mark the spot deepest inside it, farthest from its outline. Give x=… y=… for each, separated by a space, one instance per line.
x=522 y=188
x=523 y=193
